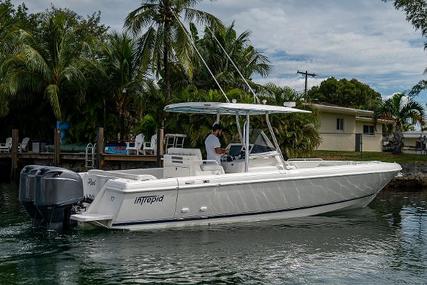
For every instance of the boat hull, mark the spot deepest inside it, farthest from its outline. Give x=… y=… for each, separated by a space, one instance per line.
x=244 y=197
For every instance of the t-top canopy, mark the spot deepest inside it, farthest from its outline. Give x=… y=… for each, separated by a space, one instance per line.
x=229 y=108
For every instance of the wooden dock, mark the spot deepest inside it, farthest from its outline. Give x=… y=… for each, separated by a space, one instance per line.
x=75 y=161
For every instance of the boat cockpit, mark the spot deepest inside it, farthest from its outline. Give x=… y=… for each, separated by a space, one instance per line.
x=179 y=162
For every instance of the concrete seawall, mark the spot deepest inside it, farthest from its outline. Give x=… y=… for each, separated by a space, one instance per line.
x=414 y=178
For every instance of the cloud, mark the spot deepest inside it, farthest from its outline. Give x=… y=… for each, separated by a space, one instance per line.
x=295 y=83
x=365 y=39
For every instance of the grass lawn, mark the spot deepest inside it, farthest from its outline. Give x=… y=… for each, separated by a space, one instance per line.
x=381 y=156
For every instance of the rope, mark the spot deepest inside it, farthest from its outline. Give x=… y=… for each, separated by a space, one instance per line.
x=201 y=57
x=256 y=99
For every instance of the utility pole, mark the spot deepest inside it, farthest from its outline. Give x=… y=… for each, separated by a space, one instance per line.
x=306 y=74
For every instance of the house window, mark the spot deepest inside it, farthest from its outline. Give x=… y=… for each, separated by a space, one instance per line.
x=368 y=130
x=340 y=124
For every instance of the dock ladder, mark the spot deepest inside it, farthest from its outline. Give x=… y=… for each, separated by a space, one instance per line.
x=90 y=156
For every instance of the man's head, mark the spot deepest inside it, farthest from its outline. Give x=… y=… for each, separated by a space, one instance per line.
x=217 y=129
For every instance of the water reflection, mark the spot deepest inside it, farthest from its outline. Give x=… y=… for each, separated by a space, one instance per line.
x=385 y=243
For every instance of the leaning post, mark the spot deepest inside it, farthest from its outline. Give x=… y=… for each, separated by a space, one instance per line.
x=14 y=155
x=100 y=148
x=161 y=141
x=57 y=147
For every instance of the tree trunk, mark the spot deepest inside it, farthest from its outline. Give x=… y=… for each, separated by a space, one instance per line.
x=167 y=80
x=398 y=140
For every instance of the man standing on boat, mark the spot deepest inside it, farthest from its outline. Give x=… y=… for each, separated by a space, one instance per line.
x=212 y=144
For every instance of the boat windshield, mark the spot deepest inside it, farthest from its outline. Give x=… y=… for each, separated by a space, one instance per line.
x=260 y=142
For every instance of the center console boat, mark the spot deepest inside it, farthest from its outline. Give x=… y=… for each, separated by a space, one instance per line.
x=253 y=182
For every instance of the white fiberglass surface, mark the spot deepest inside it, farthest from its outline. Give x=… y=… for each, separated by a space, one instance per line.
x=156 y=172
x=229 y=108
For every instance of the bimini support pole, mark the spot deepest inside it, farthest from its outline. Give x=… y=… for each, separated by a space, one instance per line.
x=247 y=143
x=273 y=136
x=239 y=129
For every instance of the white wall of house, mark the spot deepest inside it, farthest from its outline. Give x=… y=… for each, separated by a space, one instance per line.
x=409 y=142
x=331 y=137
x=371 y=142
x=410 y=139
x=335 y=139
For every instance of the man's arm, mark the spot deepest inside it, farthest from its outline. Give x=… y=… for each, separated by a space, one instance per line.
x=219 y=150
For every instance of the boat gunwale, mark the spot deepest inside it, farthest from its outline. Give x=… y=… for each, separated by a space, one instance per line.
x=136 y=184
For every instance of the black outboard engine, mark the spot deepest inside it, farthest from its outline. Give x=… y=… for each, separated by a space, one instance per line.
x=49 y=195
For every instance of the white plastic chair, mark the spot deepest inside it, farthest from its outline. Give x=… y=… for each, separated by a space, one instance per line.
x=151 y=147
x=5 y=147
x=139 y=143
x=23 y=146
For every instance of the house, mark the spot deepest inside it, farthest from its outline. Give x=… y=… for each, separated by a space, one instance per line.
x=348 y=129
x=412 y=140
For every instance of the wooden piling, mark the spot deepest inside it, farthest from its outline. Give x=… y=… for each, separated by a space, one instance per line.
x=57 y=147
x=100 y=148
x=14 y=155
x=161 y=141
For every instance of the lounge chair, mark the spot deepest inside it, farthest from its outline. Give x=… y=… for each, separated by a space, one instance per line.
x=139 y=143
x=5 y=147
x=151 y=147
x=23 y=146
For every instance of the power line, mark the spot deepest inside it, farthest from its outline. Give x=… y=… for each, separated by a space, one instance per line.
x=306 y=74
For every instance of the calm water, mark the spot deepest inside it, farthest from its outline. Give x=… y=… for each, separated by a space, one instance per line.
x=383 y=244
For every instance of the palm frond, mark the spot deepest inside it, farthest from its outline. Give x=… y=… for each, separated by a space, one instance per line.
x=142 y=17
x=201 y=17
x=422 y=85
x=52 y=93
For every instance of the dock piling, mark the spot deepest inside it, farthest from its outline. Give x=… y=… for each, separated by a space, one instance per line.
x=100 y=148
x=14 y=155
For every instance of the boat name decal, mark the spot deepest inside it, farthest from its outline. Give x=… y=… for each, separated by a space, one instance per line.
x=148 y=199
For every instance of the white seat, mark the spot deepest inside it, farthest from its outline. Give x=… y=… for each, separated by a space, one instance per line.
x=179 y=162
x=5 y=147
x=186 y=152
x=211 y=166
x=139 y=143
x=23 y=146
x=150 y=147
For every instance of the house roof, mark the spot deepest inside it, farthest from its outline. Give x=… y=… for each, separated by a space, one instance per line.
x=371 y=120
x=414 y=134
x=341 y=110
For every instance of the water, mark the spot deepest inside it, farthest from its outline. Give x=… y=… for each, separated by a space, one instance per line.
x=383 y=244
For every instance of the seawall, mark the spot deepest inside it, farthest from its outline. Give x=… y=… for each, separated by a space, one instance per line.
x=413 y=178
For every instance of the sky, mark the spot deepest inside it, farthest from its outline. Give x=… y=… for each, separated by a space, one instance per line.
x=365 y=39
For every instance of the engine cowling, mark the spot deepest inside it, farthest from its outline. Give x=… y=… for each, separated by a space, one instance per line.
x=49 y=194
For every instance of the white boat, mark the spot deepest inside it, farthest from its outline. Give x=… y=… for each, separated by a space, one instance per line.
x=252 y=183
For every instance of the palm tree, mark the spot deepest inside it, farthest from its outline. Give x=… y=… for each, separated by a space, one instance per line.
x=404 y=112
x=125 y=77
x=249 y=60
x=297 y=134
x=165 y=39
x=49 y=64
x=11 y=34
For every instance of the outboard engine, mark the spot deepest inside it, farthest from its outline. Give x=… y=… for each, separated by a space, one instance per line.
x=49 y=195
x=27 y=185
